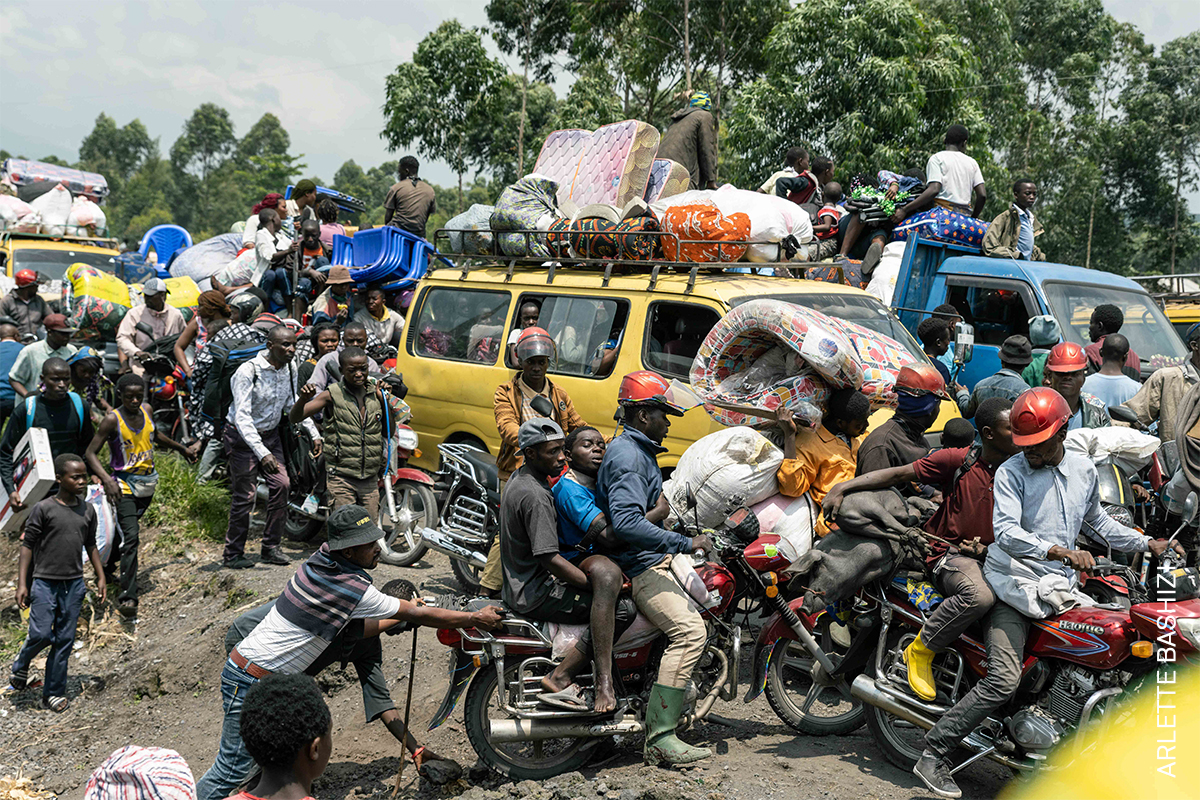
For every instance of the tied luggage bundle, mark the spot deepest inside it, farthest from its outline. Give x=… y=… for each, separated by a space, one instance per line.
x=773 y=227
x=724 y=470
x=943 y=225
x=97 y=301
x=200 y=261
x=768 y=353
x=530 y=204
x=881 y=358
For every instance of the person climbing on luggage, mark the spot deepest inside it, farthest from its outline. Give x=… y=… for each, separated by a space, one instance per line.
x=23 y=305
x=26 y=371
x=817 y=460
x=513 y=406
x=543 y=584
x=691 y=140
x=410 y=202
x=131 y=479
x=1067 y=369
x=65 y=416
x=628 y=486
x=329 y=591
x=360 y=419
x=1011 y=235
x=59 y=532
x=263 y=388
x=901 y=440
x=964 y=519
x=1107 y=318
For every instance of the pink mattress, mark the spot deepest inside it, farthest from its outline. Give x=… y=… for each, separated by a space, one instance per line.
x=615 y=164
x=667 y=178
x=559 y=158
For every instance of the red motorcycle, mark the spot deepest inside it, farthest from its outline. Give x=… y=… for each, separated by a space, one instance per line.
x=500 y=672
x=1079 y=667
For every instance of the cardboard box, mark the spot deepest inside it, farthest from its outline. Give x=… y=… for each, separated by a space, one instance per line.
x=33 y=475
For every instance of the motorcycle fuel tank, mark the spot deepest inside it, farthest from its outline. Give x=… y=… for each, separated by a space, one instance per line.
x=768 y=553
x=720 y=580
x=1094 y=637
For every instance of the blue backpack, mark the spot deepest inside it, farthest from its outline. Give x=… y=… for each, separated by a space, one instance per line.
x=31 y=409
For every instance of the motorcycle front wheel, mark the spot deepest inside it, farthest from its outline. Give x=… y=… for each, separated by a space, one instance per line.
x=803 y=704
x=517 y=761
x=416 y=508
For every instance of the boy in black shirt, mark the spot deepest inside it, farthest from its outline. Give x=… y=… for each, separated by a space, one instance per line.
x=58 y=531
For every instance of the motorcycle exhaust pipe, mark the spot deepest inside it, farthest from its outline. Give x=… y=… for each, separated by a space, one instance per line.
x=864 y=689
x=507 y=731
x=440 y=542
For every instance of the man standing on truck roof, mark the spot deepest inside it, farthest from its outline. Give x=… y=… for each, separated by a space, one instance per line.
x=410 y=202
x=692 y=141
x=24 y=305
x=1160 y=396
x=952 y=177
x=1106 y=319
x=1012 y=233
x=513 y=405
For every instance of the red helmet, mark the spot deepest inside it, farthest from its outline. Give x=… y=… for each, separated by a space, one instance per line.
x=25 y=277
x=919 y=379
x=645 y=388
x=1066 y=357
x=1037 y=415
x=534 y=342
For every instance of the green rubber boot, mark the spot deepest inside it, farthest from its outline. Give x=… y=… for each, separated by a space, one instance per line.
x=662 y=715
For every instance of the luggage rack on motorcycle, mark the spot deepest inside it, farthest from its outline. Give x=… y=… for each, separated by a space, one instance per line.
x=561 y=255
x=485 y=638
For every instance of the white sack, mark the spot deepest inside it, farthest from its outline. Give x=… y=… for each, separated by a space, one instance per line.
x=886 y=273
x=84 y=213
x=726 y=469
x=791 y=518
x=1127 y=447
x=55 y=208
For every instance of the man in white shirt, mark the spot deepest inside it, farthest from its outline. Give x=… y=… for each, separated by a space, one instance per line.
x=951 y=179
x=264 y=389
x=328 y=591
x=162 y=319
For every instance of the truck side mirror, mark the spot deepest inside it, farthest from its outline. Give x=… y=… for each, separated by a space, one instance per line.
x=964 y=343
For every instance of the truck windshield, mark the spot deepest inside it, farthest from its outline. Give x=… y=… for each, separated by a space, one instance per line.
x=862 y=309
x=52 y=264
x=1150 y=334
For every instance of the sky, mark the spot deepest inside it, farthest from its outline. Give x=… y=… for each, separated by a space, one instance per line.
x=318 y=66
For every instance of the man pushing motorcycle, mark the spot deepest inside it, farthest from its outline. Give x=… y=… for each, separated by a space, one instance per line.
x=1043 y=498
x=627 y=487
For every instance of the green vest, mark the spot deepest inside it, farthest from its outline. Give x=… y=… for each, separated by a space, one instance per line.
x=354 y=445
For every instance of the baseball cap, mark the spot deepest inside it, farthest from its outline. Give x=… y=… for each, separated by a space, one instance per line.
x=155 y=286
x=350 y=526
x=57 y=322
x=538 y=431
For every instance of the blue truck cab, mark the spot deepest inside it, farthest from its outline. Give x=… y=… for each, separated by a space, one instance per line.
x=998 y=296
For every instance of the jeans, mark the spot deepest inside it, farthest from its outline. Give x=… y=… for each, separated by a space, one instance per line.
x=125 y=549
x=233 y=764
x=243 y=482
x=667 y=606
x=1007 y=629
x=53 y=613
x=279 y=279
x=968 y=598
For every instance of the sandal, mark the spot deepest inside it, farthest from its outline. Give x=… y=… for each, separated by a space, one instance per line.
x=572 y=698
x=18 y=681
x=56 y=704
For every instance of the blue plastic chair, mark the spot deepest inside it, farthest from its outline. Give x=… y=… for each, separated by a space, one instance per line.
x=343 y=251
x=165 y=240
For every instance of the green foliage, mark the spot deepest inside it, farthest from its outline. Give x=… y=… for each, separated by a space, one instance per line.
x=184 y=509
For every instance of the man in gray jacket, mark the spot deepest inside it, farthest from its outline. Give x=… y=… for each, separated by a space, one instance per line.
x=692 y=141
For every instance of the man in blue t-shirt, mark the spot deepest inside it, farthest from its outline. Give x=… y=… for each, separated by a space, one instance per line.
x=10 y=348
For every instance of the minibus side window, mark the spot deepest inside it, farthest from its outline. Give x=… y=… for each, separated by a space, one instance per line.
x=587 y=332
x=674 y=333
x=461 y=325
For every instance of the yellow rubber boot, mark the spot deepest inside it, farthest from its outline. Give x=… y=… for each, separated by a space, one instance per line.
x=919 y=660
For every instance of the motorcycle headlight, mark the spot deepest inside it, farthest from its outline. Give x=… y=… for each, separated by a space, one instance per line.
x=1120 y=513
x=1189 y=628
x=406 y=439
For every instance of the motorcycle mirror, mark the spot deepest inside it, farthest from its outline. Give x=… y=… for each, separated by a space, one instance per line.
x=1189 y=507
x=146 y=329
x=964 y=343
x=542 y=406
x=1123 y=414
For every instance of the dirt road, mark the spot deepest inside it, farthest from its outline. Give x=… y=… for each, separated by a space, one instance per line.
x=156 y=682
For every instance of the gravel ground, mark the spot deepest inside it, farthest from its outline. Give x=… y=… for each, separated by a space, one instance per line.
x=156 y=682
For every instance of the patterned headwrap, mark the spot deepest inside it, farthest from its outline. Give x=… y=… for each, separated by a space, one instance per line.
x=700 y=100
x=142 y=773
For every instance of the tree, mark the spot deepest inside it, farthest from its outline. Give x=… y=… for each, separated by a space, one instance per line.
x=500 y=142
x=116 y=153
x=443 y=94
x=536 y=30
x=205 y=146
x=262 y=163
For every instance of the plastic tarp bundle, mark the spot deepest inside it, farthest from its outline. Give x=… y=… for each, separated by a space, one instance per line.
x=528 y=204
x=87 y=281
x=22 y=172
x=768 y=353
x=774 y=226
x=476 y=218
x=724 y=470
x=202 y=259
x=55 y=208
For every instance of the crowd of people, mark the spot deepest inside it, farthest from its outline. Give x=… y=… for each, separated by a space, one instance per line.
x=279 y=368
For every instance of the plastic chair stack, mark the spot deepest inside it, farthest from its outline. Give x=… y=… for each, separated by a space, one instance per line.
x=166 y=241
x=388 y=256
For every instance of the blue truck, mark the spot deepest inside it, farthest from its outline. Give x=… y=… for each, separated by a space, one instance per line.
x=998 y=296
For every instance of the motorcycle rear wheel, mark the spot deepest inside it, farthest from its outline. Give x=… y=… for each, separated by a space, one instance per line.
x=415 y=502
x=468 y=577
x=299 y=528
x=788 y=690
x=517 y=761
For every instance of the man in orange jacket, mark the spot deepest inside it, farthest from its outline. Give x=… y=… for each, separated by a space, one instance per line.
x=513 y=405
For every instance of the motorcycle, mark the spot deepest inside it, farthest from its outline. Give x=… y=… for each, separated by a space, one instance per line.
x=1078 y=669
x=500 y=672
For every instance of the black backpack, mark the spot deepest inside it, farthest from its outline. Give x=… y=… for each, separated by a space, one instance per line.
x=218 y=389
